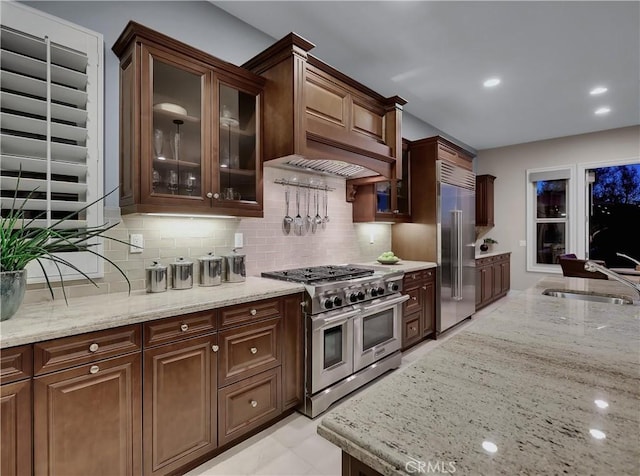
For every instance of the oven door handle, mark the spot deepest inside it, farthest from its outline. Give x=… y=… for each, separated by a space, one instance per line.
x=325 y=322
x=390 y=302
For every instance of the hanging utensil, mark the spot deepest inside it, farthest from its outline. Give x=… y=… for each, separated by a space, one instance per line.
x=318 y=219
x=314 y=222
x=297 y=221
x=308 y=219
x=286 y=222
x=325 y=220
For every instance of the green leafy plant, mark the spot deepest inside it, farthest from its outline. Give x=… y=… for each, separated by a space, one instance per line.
x=490 y=241
x=22 y=242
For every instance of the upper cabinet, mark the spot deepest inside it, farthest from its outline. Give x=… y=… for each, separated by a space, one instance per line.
x=317 y=113
x=190 y=128
x=484 y=200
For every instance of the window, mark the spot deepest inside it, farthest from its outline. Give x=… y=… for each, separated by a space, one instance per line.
x=51 y=99
x=549 y=207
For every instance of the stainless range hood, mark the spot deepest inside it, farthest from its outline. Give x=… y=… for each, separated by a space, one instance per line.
x=333 y=168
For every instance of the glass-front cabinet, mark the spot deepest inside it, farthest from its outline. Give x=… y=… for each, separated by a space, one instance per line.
x=189 y=132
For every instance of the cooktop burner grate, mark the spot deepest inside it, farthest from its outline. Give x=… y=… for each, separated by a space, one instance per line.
x=313 y=274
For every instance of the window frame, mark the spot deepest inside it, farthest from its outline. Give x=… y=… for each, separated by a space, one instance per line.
x=532 y=216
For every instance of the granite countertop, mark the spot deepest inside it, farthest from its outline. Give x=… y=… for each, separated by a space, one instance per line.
x=530 y=377
x=402 y=265
x=486 y=254
x=53 y=319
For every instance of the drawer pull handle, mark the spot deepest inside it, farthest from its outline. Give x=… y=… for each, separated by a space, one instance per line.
x=93 y=347
x=253 y=312
x=254 y=350
x=184 y=327
x=215 y=348
x=94 y=369
x=414 y=298
x=254 y=403
x=413 y=329
x=424 y=287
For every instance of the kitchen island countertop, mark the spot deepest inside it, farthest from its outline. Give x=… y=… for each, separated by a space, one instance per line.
x=531 y=377
x=52 y=319
x=402 y=265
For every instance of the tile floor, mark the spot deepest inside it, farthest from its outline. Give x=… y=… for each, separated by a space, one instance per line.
x=292 y=446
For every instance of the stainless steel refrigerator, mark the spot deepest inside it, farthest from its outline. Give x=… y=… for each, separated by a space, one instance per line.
x=456 y=244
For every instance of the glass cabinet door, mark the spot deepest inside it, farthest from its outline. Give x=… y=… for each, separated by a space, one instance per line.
x=383 y=197
x=175 y=131
x=402 y=185
x=238 y=149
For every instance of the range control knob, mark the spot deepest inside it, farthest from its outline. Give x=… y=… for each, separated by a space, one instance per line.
x=373 y=292
x=394 y=287
x=380 y=290
x=360 y=296
x=327 y=303
x=337 y=301
x=353 y=297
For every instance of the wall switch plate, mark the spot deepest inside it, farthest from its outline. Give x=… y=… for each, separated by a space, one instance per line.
x=523 y=243
x=238 y=240
x=137 y=243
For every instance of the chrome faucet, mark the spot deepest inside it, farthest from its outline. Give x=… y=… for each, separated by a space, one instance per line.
x=593 y=267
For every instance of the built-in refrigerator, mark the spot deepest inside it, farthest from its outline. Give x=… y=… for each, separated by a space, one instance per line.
x=455 y=244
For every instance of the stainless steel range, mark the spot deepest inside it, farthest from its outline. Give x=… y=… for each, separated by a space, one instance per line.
x=353 y=329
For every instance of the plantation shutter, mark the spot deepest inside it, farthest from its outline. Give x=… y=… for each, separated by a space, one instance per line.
x=51 y=122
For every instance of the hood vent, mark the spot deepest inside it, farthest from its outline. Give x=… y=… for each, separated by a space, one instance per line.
x=334 y=168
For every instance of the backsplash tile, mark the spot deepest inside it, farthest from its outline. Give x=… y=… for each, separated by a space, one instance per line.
x=266 y=246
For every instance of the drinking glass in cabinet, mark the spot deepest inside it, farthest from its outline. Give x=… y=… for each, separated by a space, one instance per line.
x=172 y=183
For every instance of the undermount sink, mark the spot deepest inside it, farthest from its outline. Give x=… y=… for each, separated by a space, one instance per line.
x=587 y=296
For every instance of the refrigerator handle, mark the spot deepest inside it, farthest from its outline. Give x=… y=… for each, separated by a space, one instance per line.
x=456 y=261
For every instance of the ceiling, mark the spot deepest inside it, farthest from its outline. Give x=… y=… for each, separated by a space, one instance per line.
x=436 y=55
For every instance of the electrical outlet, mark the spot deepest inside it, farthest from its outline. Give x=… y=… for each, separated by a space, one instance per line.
x=238 y=241
x=137 y=243
x=523 y=243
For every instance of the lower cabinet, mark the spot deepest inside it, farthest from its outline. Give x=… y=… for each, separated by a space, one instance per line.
x=15 y=428
x=493 y=278
x=419 y=312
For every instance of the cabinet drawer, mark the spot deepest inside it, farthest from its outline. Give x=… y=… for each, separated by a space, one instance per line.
x=247 y=404
x=411 y=331
x=16 y=363
x=180 y=327
x=414 y=303
x=81 y=349
x=244 y=313
x=249 y=350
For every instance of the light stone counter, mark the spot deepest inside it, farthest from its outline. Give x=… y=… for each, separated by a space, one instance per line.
x=402 y=265
x=53 y=319
x=486 y=254
x=525 y=377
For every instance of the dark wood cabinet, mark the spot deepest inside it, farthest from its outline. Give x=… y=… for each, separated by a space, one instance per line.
x=484 y=200
x=493 y=278
x=292 y=352
x=376 y=200
x=418 y=240
x=180 y=403
x=16 y=411
x=323 y=114
x=190 y=129
x=87 y=419
x=419 y=311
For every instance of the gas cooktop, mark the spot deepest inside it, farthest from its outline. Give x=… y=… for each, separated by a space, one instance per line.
x=316 y=274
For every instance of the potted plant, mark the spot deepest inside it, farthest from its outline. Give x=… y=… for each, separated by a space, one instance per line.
x=21 y=242
x=486 y=243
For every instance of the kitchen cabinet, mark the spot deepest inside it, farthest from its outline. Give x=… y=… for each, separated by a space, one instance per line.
x=87 y=417
x=484 y=200
x=493 y=278
x=15 y=411
x=190 y=129
x=417 y=241
x=376 y=200
x=320 y=113
x=180 y=391
x=419 y=311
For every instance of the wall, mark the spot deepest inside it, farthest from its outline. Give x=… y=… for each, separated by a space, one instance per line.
x=509 y=165
x=267 y=247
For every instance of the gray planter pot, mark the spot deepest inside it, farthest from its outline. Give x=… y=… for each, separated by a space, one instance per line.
x=12 y=287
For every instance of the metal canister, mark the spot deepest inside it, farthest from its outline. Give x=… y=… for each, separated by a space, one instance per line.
x=156 y=278
x=182 y=274
x=210 y=270
x=233 y=267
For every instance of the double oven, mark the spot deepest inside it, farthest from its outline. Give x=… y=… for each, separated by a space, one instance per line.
x=353 y=320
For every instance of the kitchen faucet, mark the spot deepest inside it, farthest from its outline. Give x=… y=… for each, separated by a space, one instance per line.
x=593 y=267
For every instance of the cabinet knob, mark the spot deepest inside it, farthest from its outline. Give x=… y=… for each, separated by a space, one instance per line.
x=215 y=348
x=414 y=298
x=184 y=327
x=396 y=211
x=253 y=312
x=254 y=350
x=209 y=195
x=424 y=287
x=254 y=403
x=412 y=329
x=93 y=347
x=94 y=369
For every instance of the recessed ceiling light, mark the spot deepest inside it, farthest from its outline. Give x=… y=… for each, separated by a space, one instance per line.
x=597 y=434
x=602 y=110
x=489 y=446
x=601 y=403
x=491 y=82
x=598 y=90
